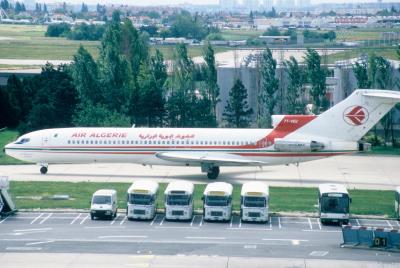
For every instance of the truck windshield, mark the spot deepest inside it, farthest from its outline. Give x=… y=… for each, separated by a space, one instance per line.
x=254 y=201
x=141 y=199
x=335 y=204
x=211 y=200
x=101 y=199
x=178 y=200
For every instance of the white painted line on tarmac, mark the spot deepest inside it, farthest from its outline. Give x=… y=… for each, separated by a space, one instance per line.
x=176 y=227
x=23 y=248
x=152 y=222
x=33 y=230
x=122 y=236
x=319 y=253
x=113 y=221
x=284 y=239
x=103 y=227
x=123 y=220
x=201 y=222
x=40 y=242
x=398 y=224
x=3 y=220
x=205 y=237
x=240 y=223
x=45 y=219
x=87 y=216
x=231 y=223
x=279 y=223
x=162 y=221
x=38 y=217
x=270 y=223
x=191 y=223
x=251 y=229
x=309 y=223
x=390 y=225
x=320 y=231
x=77 y=217
x=319 y=224
x=358 y=222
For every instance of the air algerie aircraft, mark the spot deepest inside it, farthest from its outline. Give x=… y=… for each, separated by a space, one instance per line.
x=294 y=139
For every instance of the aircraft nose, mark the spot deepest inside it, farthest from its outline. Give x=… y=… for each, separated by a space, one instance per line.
x=6 y=147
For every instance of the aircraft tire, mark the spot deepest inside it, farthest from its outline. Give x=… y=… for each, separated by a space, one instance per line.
x=43 y=170
x=213 y=173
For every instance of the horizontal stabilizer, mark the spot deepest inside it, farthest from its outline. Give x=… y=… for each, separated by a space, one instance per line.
x=209 y=158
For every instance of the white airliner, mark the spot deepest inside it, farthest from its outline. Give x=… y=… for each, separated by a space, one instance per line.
x=294 y=139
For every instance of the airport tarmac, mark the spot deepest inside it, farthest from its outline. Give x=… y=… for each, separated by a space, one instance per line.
x=355 y=171
x=282 y=237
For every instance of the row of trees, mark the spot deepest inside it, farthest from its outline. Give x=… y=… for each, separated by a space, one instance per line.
x=377 y=72
x=302 y=79
x=78 y=32
x=125 y=85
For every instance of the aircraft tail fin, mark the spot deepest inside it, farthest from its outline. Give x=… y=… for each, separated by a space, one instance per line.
x=353 y=117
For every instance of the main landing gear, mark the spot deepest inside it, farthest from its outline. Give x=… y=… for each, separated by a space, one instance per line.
x=213 y=173
x=211 y=170
x=43 y=169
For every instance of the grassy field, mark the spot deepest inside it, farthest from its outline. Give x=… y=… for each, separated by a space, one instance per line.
x=283 y=199
x=29 y=42
x=6 y=136
x=362 y=34
x=387 y=52
x=240 y=34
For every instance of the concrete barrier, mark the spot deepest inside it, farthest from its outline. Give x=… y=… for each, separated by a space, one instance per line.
x=371 y=237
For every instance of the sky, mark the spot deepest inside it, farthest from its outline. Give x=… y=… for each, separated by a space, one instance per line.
x=175 y=2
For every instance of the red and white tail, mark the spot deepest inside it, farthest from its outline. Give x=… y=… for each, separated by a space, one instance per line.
x=353 y=117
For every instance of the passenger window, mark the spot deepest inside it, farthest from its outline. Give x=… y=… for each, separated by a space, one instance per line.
x=69 y=142
x=95 y=141
x=77 y=142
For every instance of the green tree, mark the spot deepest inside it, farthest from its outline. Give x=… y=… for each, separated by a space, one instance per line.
x=55 y=100
x=16 y=100
x=151 y=96
x=316 y=76
x=182 y=98
x=361 y=73
x=97 y=115
x=85 y=74
x=212 y=89
x=115 y=71
x=84 y=8
x=237 y=113
x=268 y=88
x=295 y=88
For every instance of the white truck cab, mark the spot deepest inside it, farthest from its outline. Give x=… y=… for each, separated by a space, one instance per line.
x=254 y=202
x=104 y=204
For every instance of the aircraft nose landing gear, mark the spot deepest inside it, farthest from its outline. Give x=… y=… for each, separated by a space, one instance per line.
x=43 y=169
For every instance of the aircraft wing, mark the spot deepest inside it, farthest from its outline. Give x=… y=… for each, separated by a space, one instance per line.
x=209 y=157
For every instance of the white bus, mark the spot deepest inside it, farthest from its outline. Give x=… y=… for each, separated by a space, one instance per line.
x=179 y=200
x=217 y=201
x=397 y=202
x=142 y=200
x=334 y=203
x=254 y=202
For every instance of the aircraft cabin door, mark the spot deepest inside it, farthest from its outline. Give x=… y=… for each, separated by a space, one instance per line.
x=46 y=140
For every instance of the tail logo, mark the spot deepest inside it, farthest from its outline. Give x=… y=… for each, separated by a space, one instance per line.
x=355 y=115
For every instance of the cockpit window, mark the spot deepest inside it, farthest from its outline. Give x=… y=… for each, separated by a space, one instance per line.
x=23 y=140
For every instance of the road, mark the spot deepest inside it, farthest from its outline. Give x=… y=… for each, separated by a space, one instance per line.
x=282 y=237
x=355 y=171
